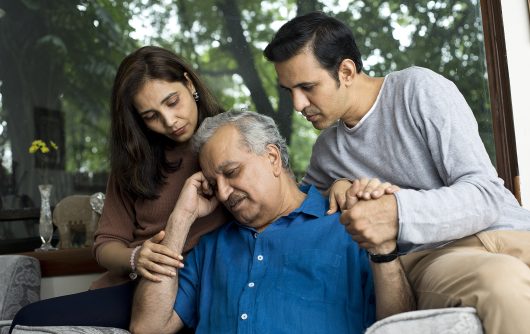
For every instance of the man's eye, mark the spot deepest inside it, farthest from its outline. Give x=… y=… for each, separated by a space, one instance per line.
x=231 y=172
x=213 y=187
x=307 y=88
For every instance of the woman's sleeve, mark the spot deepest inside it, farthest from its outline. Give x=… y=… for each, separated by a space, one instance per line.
x=117 y=219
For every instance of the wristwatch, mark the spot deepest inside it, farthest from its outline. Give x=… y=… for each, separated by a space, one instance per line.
x=383 y=258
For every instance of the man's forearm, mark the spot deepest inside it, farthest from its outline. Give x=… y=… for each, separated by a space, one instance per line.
x=393 y=293
x=153 y=301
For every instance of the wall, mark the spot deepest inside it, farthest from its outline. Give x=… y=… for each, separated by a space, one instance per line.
x=516 y=19
x=65 y=285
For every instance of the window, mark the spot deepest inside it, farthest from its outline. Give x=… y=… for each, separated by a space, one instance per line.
x=58 y=59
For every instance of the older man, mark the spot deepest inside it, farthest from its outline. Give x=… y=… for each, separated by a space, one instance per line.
x=283 y=266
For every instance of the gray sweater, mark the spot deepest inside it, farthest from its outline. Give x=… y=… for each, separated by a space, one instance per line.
x=421 y=135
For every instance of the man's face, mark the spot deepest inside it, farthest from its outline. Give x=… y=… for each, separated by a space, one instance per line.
x=314 y=91
x=243 y=181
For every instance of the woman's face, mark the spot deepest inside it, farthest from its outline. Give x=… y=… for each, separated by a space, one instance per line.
x=168 y=108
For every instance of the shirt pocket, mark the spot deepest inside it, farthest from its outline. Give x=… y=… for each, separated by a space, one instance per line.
x=311 y=275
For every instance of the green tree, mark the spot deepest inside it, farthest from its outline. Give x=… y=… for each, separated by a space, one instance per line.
x=62 y=55
x=59 y=55
x=225 y=39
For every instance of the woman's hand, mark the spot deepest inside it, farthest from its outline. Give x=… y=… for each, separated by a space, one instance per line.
x=365 y=189
x=151 y=257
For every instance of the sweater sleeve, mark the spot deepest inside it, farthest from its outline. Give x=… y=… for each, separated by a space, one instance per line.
x=117 y=219
x=472 y=193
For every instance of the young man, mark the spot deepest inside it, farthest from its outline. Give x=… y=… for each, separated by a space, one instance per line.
x=414 y=129
x=283 y=266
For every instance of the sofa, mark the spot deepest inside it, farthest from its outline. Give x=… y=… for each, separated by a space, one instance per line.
x=20 y=285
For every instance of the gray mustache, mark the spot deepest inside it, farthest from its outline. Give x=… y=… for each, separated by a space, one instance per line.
x=234 y=199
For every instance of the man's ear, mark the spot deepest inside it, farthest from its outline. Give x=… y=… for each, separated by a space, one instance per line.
x=275 y=158
x=347 y=72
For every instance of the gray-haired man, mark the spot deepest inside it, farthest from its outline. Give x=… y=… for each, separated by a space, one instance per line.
x=282 y=266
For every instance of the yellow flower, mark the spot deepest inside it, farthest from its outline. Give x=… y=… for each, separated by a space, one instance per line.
x=40 y=145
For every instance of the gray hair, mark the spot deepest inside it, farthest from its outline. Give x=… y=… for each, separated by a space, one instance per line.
x=256 y=130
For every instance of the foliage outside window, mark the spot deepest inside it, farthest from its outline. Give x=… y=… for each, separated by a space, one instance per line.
x=58 y=58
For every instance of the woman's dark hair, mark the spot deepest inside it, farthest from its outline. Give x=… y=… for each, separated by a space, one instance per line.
x=330 y=40
x=137 y=154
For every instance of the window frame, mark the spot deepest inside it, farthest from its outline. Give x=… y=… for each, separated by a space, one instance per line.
x=500 y=95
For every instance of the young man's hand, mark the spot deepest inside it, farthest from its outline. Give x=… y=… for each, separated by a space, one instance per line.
x=362 y=189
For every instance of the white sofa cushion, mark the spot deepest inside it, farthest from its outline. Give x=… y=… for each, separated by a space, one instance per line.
x=67 y=329
x=457 y=320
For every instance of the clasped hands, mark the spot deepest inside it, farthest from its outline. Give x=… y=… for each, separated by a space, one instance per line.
x=369 y=212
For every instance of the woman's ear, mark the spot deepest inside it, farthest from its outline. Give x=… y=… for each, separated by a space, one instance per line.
x=189 y=82
x=275 y=158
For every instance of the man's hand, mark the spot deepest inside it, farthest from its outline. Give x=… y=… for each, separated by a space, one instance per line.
x=373 y=223
x=363 y=189
x=196 y=198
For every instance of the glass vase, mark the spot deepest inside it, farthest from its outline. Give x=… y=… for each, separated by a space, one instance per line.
x=45 y=219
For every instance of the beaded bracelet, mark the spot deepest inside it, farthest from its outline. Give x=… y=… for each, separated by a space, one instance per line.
x=133 y=273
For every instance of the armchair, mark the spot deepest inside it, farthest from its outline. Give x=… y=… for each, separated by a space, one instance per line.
x=19 y=286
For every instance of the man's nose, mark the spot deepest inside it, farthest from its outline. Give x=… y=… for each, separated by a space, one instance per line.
x=223 y=190
x=300 y=101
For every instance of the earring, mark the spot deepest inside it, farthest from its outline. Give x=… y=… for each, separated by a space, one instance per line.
x=196 y=96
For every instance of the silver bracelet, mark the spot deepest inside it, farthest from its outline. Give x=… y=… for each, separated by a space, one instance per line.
x=133 y=273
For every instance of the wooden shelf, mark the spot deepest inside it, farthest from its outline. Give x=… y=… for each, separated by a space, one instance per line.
x=62 y=262
x=19 y=214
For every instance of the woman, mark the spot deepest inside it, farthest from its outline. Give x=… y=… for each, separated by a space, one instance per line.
x=157 y=104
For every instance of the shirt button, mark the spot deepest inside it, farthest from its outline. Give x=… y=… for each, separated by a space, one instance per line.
x=244 y=316
x=260 y=257
x=255 y=235
x=251 y=284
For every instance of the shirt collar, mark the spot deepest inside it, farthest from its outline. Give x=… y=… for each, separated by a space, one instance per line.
x=314 y=204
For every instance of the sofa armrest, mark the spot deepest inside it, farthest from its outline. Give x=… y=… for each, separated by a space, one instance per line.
x=19 y=283
x=19 y=329
x=447 y=321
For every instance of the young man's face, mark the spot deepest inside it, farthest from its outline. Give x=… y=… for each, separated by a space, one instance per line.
x=243 y=181
x=314 y=91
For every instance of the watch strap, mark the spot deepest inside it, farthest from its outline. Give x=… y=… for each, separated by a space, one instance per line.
x=383 y=258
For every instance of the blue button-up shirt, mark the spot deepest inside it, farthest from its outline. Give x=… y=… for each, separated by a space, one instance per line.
x=302 y=274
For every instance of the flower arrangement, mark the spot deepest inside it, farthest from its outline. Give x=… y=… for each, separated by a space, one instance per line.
x=44 y=150
x=40 y=145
